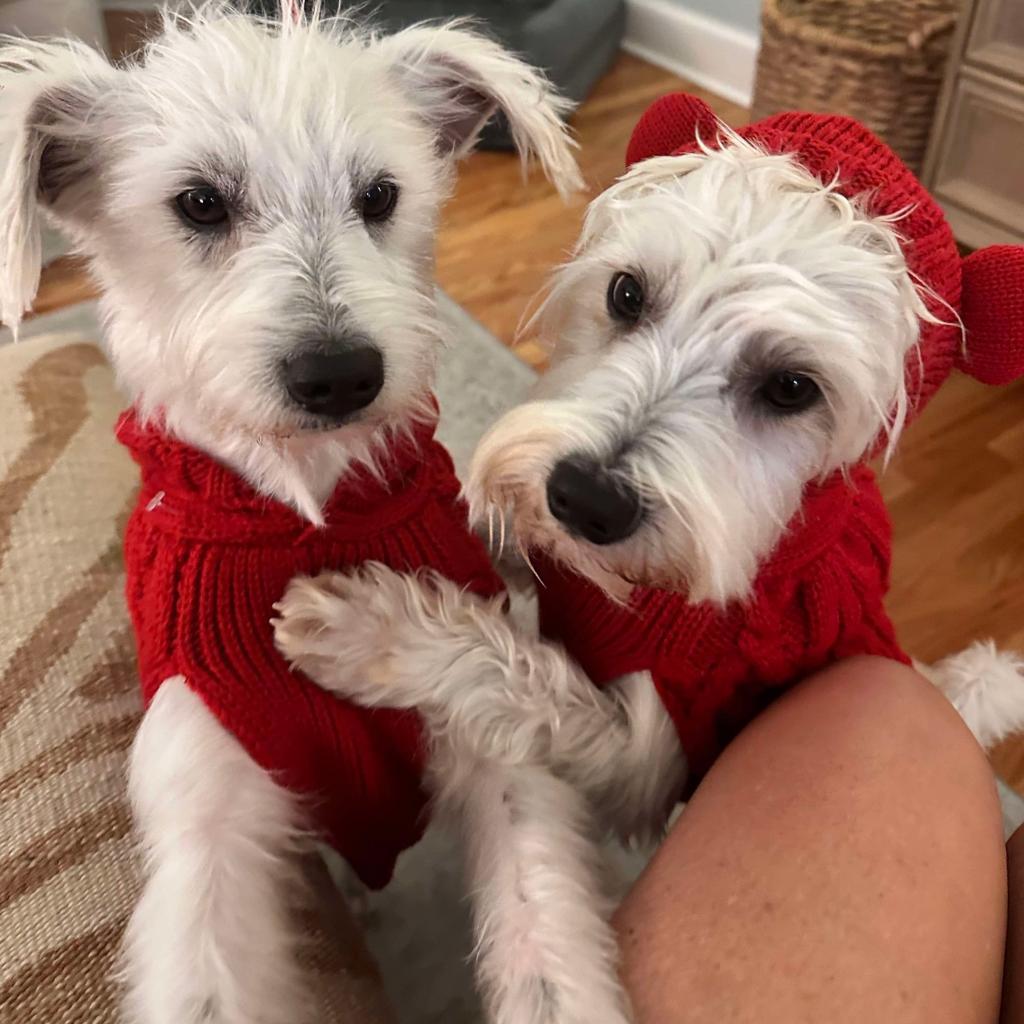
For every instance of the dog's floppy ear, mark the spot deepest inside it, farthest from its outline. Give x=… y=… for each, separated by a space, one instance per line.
x=459 y=78
x=47 y=156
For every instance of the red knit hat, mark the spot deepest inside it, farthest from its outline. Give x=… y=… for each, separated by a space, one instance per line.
x=986 y=289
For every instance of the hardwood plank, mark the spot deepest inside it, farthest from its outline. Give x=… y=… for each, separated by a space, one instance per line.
x=64 y=282
x=956 y=494
x=127 y=31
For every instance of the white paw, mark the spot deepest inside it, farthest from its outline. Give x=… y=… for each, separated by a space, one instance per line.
x=339 y=628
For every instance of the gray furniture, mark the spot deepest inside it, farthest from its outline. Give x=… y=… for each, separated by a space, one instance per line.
x=82 y=19
x=574 y=41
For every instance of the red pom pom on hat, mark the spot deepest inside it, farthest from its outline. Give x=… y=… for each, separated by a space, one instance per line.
x=993 y=314
x=670 y=124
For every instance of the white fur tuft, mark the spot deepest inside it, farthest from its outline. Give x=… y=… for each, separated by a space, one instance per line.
x=986 y=686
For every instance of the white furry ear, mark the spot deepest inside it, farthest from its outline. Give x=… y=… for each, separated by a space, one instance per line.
x=47 y=92
x=459 y=78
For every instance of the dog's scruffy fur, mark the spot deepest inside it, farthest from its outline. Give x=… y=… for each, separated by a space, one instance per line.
x=290 y=119
x=803 y=276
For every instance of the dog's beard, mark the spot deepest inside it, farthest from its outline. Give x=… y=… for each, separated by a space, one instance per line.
x=507 y=496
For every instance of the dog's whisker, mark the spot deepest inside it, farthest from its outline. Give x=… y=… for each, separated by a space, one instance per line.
x=525 y=554
x=501 y=536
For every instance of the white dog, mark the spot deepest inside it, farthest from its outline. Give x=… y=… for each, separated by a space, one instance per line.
x=747 y=318
x=258 y=201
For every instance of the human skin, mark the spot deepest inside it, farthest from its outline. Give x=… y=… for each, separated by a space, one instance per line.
x=842 y=862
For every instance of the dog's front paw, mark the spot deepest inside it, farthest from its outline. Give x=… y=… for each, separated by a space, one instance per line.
x=386 y=639
x=338 y=628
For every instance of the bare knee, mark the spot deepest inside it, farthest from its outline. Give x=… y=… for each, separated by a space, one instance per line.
x=856 y=823
x=886 y=760
x=886 y=730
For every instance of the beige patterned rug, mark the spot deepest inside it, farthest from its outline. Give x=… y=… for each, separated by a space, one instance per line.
x=68 y=702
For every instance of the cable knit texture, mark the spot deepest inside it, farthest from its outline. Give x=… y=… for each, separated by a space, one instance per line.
x=206 y=559
x=820 y=596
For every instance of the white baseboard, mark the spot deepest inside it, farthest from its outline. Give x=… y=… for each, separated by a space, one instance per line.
x=710 y=53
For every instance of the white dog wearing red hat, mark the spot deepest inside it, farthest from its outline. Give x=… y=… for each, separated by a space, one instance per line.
x=748 y=317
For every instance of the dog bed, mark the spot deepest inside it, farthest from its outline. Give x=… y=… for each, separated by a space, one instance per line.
x=574 y=41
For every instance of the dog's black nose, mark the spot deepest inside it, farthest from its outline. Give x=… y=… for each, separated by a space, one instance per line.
x=590 y=502
x=335 y=382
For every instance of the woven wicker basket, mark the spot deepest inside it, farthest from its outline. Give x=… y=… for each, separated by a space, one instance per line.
x=880 y=61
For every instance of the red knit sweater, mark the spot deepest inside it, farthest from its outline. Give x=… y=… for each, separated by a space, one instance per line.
x=819 y=598
x=206 y=559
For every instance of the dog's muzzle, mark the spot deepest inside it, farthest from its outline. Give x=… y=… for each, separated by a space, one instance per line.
x=592 y=503
x=335 y=381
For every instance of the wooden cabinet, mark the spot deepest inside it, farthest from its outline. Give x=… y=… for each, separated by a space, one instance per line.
x=996 y=37
x=975 y=163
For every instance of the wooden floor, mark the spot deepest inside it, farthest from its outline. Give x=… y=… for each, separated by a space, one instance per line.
x=956 y=490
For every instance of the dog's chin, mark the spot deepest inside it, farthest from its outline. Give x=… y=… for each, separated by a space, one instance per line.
x=327 y=427
x=609 y=568
x=305 y=428
x=619 y=581
x=298 y=433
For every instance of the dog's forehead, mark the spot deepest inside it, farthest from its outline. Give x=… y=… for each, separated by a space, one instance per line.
x=308 y=102
x=729 y=207
x=736 y=187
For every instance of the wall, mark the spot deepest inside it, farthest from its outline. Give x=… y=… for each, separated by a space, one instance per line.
x=742 y=14
x=713 y=43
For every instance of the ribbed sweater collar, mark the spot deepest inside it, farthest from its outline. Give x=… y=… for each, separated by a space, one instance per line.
x=189 y=492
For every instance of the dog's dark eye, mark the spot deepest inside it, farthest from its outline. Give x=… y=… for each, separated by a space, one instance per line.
x=788 y=392
x=378 y=202
x=625 y=298
x=204 y=207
